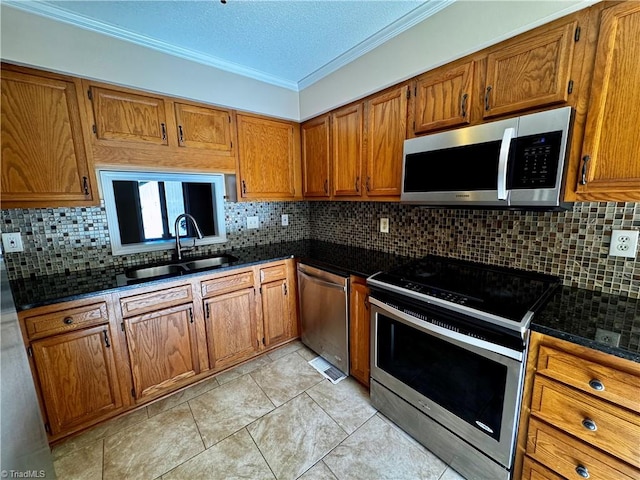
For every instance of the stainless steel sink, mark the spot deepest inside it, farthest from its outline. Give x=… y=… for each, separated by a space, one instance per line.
x=211 y=262
x=152 y=272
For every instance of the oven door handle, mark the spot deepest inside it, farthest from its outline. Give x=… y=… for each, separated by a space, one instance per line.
x=503 y=160
x=445 y=332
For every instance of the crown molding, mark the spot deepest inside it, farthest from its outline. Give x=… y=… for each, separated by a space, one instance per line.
x=404 y=23
x=86 y=23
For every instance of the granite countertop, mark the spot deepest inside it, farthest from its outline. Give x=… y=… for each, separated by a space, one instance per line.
x=39 y=291
x=574 y=314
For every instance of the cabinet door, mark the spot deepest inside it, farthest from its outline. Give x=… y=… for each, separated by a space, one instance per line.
x=530 y=73
x=315 y=157
x=162 y=349
x=386 y=117
x=359 y=331
x=128 y=117
x=231 y=328
x=346 y=135
x=275 y=312
x=611 y=149
x=443 y=98
x=201 y=127
x=266 y=158
x=44 y=159
x=77 y=376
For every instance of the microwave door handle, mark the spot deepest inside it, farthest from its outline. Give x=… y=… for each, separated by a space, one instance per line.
x=509 y=134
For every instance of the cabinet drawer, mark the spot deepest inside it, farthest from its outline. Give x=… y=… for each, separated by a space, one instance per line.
x=566 y=455
x=148 y=302
x=601 y=381
x=226 y=284
x=39 y=326
x=276 y=272
x=615 y=430
x=534 y=471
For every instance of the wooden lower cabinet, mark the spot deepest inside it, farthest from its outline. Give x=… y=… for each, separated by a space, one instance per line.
x=231 y=327
x=162 y=349
x=580 y=414
x=77 y=376
x=359 y=330
x=276 y=312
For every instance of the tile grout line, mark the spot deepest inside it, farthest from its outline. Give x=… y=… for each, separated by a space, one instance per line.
x=261 y=454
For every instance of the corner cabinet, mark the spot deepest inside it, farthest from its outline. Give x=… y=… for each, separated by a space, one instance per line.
x=610 y=162
x=268 y=159
x=580 y=415
x=316 y=157
x=45 y=159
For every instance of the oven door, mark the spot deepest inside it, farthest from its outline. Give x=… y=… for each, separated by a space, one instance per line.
x=468 y=389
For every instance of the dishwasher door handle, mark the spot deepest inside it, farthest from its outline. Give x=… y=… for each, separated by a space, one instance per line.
x=320 y=281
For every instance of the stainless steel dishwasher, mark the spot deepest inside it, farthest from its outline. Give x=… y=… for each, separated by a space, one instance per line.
x=324 y=312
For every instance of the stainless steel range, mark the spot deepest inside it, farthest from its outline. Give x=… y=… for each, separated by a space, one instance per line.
x=448 y=344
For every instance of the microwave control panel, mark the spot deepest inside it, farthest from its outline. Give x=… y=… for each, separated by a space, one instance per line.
x=535 y=162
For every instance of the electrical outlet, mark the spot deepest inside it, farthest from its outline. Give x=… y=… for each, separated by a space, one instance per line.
x=12 y=242
x=624 y=243
x=610 y=338
x=253 y=222
x=384 y=225
x=285 y=220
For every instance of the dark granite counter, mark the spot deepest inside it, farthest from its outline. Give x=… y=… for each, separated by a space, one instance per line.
x=574 y=314
x=38 y=291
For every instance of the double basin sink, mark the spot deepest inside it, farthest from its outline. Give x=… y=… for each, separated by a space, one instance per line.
x=178 y=268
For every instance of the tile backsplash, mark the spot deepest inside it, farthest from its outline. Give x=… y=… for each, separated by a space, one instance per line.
x=573 y=245
x=76 y=239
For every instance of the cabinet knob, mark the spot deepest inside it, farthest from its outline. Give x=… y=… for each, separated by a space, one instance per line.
x=596 y=384
x=582 y=471
x=68 y=320
x=589 y=424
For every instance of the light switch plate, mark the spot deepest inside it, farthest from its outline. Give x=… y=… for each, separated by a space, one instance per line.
x=253 y=222
x=285 y=219
x=384 y=225
x=12 y=242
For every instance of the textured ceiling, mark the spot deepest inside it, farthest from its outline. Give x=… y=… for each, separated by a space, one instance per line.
x=290 y=43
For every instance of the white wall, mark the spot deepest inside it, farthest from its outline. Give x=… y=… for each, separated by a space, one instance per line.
x=37 y=41
x=462 y=28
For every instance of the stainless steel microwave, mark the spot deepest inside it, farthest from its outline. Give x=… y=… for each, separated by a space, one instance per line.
x=514 y=163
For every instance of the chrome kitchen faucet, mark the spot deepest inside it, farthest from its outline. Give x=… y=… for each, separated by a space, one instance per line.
x=179 y=247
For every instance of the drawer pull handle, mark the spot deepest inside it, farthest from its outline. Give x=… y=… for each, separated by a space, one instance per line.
x=582 y=471
x=596 y=385
x=68 y=320
x=589 y=424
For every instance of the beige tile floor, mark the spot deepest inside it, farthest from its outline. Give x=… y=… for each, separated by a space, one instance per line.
x=274 y=417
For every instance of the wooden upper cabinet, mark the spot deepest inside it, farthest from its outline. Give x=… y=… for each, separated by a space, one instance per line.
x=531 y=72
x=267 y=158
x=316 y=158
x=77 y=376
x=202 y=127
x=385 y=132
x=610 y=168
x=44 y=154
x=443 y=98
x=346 y=135
x=131 y=117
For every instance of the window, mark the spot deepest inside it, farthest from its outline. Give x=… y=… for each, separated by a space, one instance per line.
x=142 y=208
